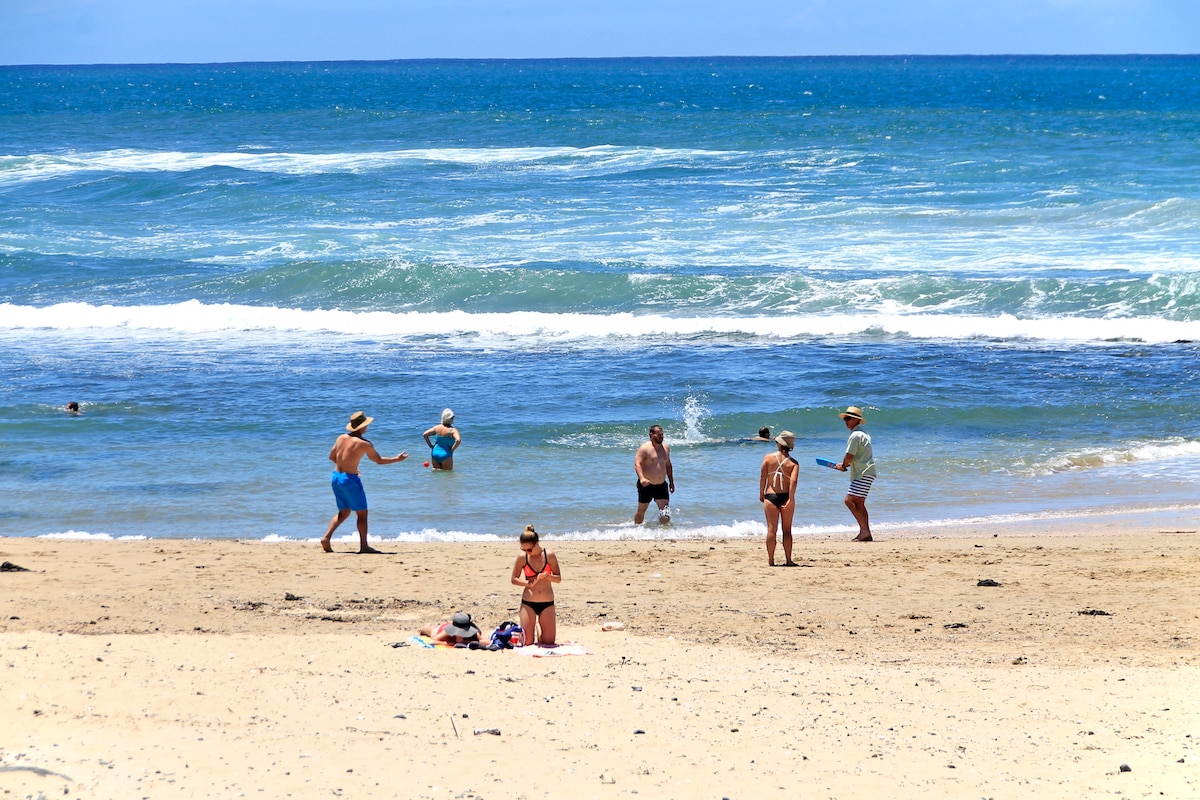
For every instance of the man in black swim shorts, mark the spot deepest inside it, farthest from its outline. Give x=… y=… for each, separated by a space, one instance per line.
x=655 y=476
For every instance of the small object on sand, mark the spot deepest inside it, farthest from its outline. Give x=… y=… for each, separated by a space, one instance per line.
x=492 y=731
x=45 y=773
x=955 y=625
x=9 y=566
x=613 y=625
x=1095 y=612
x=988 y=582
x=607 y=778
x=1126 y=768
x=292 y=597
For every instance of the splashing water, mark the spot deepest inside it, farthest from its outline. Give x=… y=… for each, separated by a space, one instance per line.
x=694 y=414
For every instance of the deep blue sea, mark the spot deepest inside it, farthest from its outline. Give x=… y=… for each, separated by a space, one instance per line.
x=997 y=258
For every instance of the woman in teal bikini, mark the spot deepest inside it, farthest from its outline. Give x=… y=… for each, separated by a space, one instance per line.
x=441 y=454
x=536 y=569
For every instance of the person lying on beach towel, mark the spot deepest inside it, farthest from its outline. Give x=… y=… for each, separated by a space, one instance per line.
x=460 y=631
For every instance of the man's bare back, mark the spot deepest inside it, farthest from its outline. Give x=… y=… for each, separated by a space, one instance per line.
x=347 y=452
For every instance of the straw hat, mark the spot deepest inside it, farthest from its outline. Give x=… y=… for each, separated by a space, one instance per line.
x=359 y=421
x=786 y=439
x=853 y=412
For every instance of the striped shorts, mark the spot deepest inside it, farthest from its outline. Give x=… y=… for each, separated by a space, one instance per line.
x=861 y=487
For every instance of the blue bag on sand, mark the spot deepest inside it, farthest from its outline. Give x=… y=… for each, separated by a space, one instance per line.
x=502 y=636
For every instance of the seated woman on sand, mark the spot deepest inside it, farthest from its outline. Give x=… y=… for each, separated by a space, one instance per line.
x=536 y=569
x=461 y=629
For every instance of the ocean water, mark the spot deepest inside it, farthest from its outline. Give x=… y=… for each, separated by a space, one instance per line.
x=997 y=258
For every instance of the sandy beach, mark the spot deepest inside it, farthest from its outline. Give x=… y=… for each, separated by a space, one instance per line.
x=186 y=668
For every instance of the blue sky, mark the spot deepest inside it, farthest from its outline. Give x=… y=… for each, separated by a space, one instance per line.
x=157 y=31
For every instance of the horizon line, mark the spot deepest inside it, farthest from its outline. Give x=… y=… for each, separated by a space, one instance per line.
x=527 y=59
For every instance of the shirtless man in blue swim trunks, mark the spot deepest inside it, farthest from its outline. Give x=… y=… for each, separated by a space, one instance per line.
x=346 y=454
x=655 y=476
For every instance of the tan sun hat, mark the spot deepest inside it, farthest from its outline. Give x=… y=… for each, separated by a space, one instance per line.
x=854 y=412
x=359 y=421
x=787 y=439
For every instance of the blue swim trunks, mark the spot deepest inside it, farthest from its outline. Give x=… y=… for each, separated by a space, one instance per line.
x=348 y=490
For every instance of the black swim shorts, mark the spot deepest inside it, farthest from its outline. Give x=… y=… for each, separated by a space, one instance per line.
x=655 y=491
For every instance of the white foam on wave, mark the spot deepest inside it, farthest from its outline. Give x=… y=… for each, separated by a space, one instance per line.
x=86 y=536
x=408 y=537
x=622 y=532
x=40 y=166
x=1035 y=516
x=735 y=529
x=1130 y=453
x=532 y=327
x=655 y=532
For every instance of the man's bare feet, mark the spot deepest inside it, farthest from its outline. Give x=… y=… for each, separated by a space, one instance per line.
x=368 y=549
x=328 y=548
x=791 y=564
x=861 y=538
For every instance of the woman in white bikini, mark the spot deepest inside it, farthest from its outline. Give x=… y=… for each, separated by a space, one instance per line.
x=536 y=569
x=777 y=492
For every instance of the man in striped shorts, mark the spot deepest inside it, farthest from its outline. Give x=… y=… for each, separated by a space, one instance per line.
x=860 y=460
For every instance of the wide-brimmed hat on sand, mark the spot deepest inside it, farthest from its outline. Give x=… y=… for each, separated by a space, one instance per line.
x=358 y=421
x=853 y=412
x=787 y=439
x=462 y=626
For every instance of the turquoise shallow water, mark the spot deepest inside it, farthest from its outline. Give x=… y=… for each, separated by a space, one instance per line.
x=994 y=256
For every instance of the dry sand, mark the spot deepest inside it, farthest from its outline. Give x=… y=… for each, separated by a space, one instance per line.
x=175 y=668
